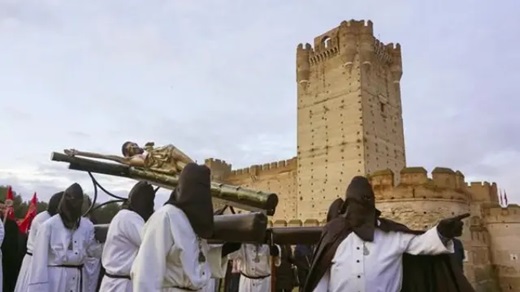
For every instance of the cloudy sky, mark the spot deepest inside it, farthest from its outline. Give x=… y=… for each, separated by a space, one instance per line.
x=93 y=74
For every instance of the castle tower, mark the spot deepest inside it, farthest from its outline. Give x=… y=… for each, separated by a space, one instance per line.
x=349 y=113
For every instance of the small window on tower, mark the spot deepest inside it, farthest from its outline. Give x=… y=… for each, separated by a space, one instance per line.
x=326 y=42
x=382 y=105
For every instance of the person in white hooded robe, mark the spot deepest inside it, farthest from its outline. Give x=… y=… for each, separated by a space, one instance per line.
x=62 y=246
x=52 y=209
x=174 y=253
x=254 y=264
x=124 y=238
x=92 y=268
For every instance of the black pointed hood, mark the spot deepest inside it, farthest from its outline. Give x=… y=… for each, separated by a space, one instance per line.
x=54 y=202
x=360 y=208
x=141 y=199
x=193 y=197
x=70 y=206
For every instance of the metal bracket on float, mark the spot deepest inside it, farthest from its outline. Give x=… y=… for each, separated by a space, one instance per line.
x=94 y=199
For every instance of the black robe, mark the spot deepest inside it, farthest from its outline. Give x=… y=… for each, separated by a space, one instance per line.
x=285 y=274
x=11 y=255
x=421 y=273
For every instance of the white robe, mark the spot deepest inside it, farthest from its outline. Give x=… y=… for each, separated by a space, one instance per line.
x=92 y=270
x=2 y=235
x=168 y=257
x=377 y=266
x=255 y=261
x=212 y=285
x=213 y=282
x=121 y=247
x=23 y=276
x=56 y=245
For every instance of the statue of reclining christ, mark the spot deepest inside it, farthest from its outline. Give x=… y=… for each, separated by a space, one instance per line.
x=166 y=159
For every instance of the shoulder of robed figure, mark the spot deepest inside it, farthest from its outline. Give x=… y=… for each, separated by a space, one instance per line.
x=50 y=223
x=168 y=213
x=41 y=217
x=120 y=216
x=86 y=224
x=159 y=215
x=127 y=217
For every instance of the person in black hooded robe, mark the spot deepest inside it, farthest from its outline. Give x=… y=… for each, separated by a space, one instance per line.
x=360 y=251
x=11 y=253
x=62 y=245
x=52 y=209
x=174 y=253
x=124 y=238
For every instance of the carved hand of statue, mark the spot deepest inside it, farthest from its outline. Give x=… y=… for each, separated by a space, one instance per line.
x=71 y=152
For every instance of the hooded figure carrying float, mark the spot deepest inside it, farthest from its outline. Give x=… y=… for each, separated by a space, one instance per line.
x=174 y=254
x=52 y=209
x=62 y=246
x=360 y=251
x=124 y=238
x=254 y=264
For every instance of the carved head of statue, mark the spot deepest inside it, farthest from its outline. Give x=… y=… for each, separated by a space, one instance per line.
x=130 y=149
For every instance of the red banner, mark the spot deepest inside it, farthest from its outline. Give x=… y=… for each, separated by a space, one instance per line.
x=25 y=223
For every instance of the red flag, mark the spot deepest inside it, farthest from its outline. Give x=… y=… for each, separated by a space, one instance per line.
x=25 y=223
x=9 y=201
x=505 y=198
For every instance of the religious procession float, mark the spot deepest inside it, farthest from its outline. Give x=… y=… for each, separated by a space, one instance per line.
x=161 y=166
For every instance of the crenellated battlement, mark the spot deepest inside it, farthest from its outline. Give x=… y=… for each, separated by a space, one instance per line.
x=220 y=170
x=441 y=177
x=350 y=39
x=215 y=161
x=267 y=168
x=384 y=52
x=296 y=223
x=483 y=192
x=442 y=180
x=415 y=183
x=396 y=66
x=496 y=214
x=330 y=38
